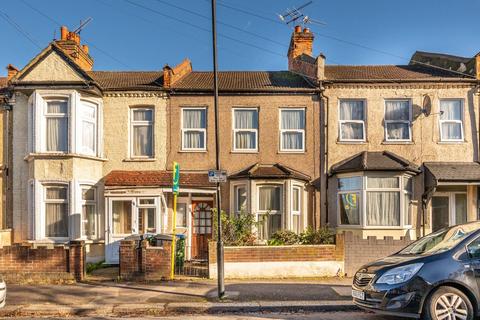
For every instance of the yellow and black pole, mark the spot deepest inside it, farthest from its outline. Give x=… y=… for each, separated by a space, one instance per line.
x=175 y=189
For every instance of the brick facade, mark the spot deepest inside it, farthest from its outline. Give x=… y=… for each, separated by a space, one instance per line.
x=20 y=263
x=144 y=262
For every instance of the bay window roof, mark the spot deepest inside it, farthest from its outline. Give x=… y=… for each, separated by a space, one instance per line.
x=269 y=171
x=374 y=161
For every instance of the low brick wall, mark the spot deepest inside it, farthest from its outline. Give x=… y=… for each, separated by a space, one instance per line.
x=279 y=261
x=144 y=262
x=359 y=251
x=27 y=263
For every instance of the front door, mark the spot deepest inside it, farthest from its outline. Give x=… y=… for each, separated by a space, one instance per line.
x=121 y=225
x=201 y=228
x=448 y=209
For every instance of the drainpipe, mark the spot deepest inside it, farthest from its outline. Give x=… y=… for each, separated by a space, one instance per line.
x=324 y=109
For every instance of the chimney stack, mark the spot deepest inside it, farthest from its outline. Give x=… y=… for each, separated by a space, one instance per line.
x=172 y=75
x=71 y=44
x=11 y=72
x=300 y=43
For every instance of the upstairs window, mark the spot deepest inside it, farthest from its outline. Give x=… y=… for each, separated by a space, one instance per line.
x=142 y=133
x=245 y=129
x=451 y=120
x=194 y=128
x=88 y=118
x=397 y=120
x=352 y=120
x=292 y=130
x=56 y=117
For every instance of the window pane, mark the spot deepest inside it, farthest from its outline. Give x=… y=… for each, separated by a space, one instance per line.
x=440 y=212
x=460 y=208
x=142 y=115
x=292 y=141
x=350 y=208
x=296 y=199
x=194 y=139
x=147 y=220
x=293 y=119
x=147 y=201
x=408 y=184
x=352 y=131
x=57 y=107
x=450 y=110
x=56 y=220
x=382 y=182
x=398 y=131
x=142 y=140
x=57 y=134
x=88 y=111
x=397 y=110
x=181 y=215
x=246 y=119
x=57 y=193
x=351 y=110
x=88 y=194
x=194 y=119
x=408 y=207
x=88 y=219
x=241 y=198
x=88 y=136
x=268 y=225
x=352 y=183
x=269 y=198
x=383 y=208
x=296 y=224
x=451 y=130
x=122 y=216
x=245 y=140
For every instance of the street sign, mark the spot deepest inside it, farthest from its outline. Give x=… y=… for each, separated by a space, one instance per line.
x=215 y=176
x=176 y=178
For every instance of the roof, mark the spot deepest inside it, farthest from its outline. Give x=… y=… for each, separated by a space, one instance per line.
x=269 y=171
x=447 y=61
x=155 y=178
x=454 y=171
x=374 y=161
x=128 y=80
x=388 y=72
x=245 y=81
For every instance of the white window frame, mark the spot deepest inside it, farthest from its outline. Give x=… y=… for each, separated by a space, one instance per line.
x=452 y=217
x=154 y=205
x=302 y=131
x=281 y=210
x=363 y=199
x=235 y=130
x=83 y=148
x=363 y=122
x=235 y=188
x=45 y=201
x=93 y=203
x=134 y=123
x=300 y=206
x=440 y=121
x=204 y=130
x=408 y=122
x=47 y=115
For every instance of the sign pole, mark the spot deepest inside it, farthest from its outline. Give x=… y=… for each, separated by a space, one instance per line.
x=175 y=188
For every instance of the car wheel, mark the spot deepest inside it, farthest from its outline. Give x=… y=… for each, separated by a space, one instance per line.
x=448 y=303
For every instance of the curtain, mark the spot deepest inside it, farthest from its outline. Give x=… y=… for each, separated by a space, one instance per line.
x=350 y=208
x=351 y=110
x=142 y=140
x=122 y=217
x=293 y=119
x=292 y=140
x=451 y=110
x=194 y=139
x=397 y=110
x=88 y=212
x=383 y=208
x=142 y=115
x=269 y=198
x=352 y=131
x=181 y=215
x=296 y=199
x=57 y=134
x=245 y=140
x=268 y=225
x=352 y=183
x=194 y=119
x=88 y=136
x=460 y=208
x=451 y=130
x=296 y=224
x=241 y=198
x=382 y=182
x=398 y=131
x=56 y=220
x=246 y=119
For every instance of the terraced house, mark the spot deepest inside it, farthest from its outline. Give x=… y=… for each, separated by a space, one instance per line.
x=377 y=150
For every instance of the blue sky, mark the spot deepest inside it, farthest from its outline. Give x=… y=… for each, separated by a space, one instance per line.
x=124 y=36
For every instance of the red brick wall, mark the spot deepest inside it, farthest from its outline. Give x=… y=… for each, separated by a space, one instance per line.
x=23 y=263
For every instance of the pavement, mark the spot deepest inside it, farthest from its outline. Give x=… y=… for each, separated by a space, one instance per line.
x=186 y=296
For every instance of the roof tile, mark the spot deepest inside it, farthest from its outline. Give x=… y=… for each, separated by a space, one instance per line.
x=155 y=178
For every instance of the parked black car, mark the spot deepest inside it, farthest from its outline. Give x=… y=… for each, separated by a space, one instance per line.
x=437 y=277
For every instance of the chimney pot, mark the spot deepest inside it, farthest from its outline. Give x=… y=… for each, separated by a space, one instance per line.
x=85 y=48
x=306 y=30
x=12 y=71
x=298 y=29
x=63 y=32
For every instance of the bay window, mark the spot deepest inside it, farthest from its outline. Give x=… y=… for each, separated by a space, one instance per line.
x=269 y=210
x=194 y=129
x=245 y=129
x=292 y=129
x=397 y=120
x=375 y=200
x=88 y=118
x=451 y=120
x=352 y=120
x=56 y=211
x=56 y=118
x=89 y=212
x=141 y=132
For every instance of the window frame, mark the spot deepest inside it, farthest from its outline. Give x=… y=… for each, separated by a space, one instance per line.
x=461 y=121
x=47 y=115
x=139 y=206
x=183 y=130
x=134 y=123
x=409 y=121
x=83 y=149
x=235 y=130
x=46 y=201
x=94 y=203
x=260 y=212
x=363 y=122
x=236 y=198
x=302 y=131
x=298 y=212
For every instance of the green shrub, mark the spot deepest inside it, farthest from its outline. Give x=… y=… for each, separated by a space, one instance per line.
x=94 y=266
x=237 y=229
x=179 y=252
x=283 y=237
x=321 y=236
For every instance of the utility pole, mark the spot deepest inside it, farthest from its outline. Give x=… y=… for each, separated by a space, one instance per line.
x=220 y=270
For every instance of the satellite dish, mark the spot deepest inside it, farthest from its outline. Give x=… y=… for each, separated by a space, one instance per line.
x=427 y=105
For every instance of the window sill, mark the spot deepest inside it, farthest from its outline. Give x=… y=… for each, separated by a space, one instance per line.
x=192 y=151
x=352 y=142
x=398 y=142
x=452 y=142
x=140 y=160
x=49 y=155
x=244 y=151
x=292 y=152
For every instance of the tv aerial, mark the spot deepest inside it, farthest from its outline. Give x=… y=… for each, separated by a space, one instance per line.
x=82 y=25
x=295 y=14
